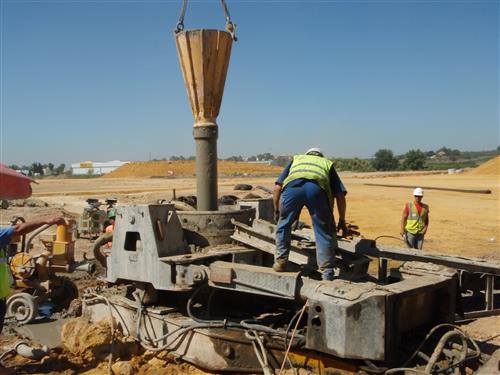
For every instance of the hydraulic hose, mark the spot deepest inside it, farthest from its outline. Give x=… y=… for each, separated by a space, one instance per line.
x=101 y=240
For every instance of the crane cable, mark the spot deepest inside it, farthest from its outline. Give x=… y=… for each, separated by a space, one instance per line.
x=230 y=26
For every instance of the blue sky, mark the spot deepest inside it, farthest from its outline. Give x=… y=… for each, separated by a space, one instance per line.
x=100 y=80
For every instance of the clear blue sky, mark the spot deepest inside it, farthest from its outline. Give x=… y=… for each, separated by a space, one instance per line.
x=100 y=80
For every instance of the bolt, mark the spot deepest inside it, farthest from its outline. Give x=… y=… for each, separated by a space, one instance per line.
x=198 y=275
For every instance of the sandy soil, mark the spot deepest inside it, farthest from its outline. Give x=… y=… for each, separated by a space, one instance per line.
x=461 y=223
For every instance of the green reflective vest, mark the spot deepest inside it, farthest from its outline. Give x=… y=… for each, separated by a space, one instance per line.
x=4 y=275
x=415 y=222
x=311 y=167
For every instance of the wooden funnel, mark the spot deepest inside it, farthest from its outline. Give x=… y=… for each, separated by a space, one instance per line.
x=204 y=57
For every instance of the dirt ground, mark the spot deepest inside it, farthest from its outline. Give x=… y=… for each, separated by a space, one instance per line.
x=460 y=223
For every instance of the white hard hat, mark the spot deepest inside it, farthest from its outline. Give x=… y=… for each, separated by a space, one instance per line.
x=418 y=192
x=314 y=150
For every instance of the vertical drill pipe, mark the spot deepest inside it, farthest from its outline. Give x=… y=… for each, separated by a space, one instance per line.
x=204 y=58
x=206 y=166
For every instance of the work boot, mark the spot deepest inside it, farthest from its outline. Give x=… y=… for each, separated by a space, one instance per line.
x=280 y=265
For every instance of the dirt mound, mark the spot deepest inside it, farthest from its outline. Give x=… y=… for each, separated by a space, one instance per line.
x=165 y=169
x=491 y=167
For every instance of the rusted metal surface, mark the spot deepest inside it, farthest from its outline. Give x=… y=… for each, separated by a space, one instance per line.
x=205 y=228
x=204 y=57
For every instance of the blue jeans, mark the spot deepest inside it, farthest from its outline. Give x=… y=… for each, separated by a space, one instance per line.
x=414 y=241
x=293 y=199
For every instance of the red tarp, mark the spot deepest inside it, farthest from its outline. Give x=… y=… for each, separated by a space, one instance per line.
x=13 y=185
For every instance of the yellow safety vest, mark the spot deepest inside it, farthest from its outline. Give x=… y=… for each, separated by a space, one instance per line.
x=4 y=275
x=415 y=222
x=311 y=167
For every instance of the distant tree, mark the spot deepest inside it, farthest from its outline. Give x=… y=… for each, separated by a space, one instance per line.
x=430 y=153
x=37 y=168
x=60 y=169
x=235 y=158
x=354 y=165
x=177 y=158
x=444 y=150
x=265 y=156
x=414 y=160
x=454 y=154
x=14 y=167
x=252 y=158
x=192 y=157
x=50 y=167
x=385 y=160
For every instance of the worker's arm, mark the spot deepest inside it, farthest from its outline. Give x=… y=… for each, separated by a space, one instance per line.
x=278 y=188
x=426 y=223
x=403 y=221
x=341 y=205
x=23 y=228
x=276 y=201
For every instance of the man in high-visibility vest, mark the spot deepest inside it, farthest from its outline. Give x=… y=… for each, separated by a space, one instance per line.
x=10 y=235
x=309 y=180
x=415 y=220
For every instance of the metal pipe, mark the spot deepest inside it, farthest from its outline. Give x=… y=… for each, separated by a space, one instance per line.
x=84 y=266
x=205 y=136
x=30 y=352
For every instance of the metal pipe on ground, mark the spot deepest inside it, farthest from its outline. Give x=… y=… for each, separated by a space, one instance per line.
x=477 y=191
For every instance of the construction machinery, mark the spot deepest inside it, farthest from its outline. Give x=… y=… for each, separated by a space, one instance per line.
x=39 y=284
x=199 y=283
x=91 y=223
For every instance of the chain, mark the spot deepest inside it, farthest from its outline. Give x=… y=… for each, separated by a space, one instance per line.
x=230 y=26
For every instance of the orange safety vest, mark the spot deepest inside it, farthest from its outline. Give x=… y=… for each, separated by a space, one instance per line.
x=415 y=222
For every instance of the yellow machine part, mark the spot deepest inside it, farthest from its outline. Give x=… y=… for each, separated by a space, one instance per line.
x=322 y=364
x=22 y=266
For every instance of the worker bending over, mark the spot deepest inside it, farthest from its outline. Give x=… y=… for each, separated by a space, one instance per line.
x=415 y=220
x=309 y=180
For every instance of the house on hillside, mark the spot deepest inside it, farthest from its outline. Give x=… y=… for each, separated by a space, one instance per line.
x=96 y=167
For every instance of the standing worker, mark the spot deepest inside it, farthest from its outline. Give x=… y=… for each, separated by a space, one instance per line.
x=10 y=235
x=309 y=180
x=415 y=220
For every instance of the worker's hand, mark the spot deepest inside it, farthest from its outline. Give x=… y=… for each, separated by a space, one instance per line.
x=276 y=216
x=59 y=220
x=342 y=227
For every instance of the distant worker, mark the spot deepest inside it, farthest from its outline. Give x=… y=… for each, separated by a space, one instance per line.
x=309 y=180
x=10 y=235
x=111 y=225
x=415 y=220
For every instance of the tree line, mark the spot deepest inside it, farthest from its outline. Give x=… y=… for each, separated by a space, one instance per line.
x=39 y=169
x=386 y=160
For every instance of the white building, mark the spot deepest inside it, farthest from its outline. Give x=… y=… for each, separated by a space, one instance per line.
x=96 y=167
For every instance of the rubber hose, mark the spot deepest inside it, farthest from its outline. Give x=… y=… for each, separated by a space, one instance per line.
x=30 y=352
x=101 y=240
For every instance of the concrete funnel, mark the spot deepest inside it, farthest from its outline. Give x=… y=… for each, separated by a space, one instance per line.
x=204 y=58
